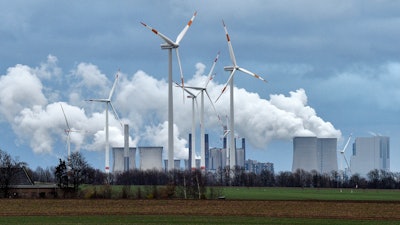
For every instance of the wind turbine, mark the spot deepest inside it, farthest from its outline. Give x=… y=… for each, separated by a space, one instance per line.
x=169 y=44
x=68 y=132
x=233 y=69
x=202 y=132
x=108 y=103
x=344 y=156
x=193 y=144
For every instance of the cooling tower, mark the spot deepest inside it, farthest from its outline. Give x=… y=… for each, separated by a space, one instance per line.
x=119 y=159
x=150 y=158
x=327 y=155
x=177 y=164
x=305 y=153
x=312 y=153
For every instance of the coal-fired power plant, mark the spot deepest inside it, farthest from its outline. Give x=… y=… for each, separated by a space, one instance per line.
x=312 y=153
x=150 y=158
x=120 y=159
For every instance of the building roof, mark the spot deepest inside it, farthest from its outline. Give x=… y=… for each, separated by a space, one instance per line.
x=20 y=176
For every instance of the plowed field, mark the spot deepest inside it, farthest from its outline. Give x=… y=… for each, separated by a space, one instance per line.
x=357 y=210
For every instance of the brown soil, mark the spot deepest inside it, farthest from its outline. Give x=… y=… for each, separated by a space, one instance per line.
x=375 y=210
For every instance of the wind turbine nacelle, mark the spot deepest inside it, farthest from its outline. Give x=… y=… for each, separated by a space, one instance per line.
x=168 y=46
x=229 y=68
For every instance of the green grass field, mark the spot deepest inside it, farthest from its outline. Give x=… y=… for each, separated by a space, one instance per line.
x=279 y=193
x=260 y=193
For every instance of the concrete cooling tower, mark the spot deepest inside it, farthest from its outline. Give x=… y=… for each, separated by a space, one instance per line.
x=150 y=158
x=327 y=154
x=312 y=153
x=118 y=156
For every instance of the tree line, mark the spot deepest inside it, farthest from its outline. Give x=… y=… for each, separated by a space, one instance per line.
x=74 y=171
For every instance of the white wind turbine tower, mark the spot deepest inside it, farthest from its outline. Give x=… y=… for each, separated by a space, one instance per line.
x=233 y=69
x=202 y=132
x=344 y=156
x=108 y=103
x=169 y=44
x=193 y=144
x=68 y=131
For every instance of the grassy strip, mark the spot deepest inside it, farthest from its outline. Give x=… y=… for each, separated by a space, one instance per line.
x=255 y=193
x=165 y=219
x=260 y=193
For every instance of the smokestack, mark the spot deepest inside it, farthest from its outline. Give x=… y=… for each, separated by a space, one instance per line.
x=207 y=148
x=126 y=147
x=244 y=148
x=190 y=152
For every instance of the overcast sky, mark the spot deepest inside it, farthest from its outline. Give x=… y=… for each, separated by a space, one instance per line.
x=332 y=67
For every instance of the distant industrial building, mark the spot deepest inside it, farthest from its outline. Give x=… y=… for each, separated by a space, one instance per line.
x=118 y=158
x=241 y=154
x=312 y=153
x=370 y=153
x=217 y=157
x=257 y=167
x=198 y=161
x=150 y=158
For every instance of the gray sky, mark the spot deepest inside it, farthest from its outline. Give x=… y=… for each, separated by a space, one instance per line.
x=332 y=69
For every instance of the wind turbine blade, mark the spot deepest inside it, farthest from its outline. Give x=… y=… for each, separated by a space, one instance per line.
x=115 y=114
x=186 y=89
x=209 y=77
x=226 y=85
x=65 y=117
x=180 y=70
x=190 y=93
x=162 y=36
x=347 y=163
x=113 y=87
x=347 y=143
x=215 y=111
x=231 y=53
x=96 y=100
x=194 y=88
x=252 y=74
x=185 y=29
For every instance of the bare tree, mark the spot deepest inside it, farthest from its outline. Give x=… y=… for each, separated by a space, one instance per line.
x=77 y=169
x=8 y=172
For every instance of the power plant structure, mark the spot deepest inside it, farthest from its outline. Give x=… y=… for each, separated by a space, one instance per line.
x=207 y=153
x=150 y=158
x=370 y=153
x=119 y=159
x=312 y=153
x=217 y=157
x=257 y=167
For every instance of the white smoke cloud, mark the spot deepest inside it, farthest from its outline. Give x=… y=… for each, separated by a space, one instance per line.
x=158 y=136
x=141 y=101
x=19 y=88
